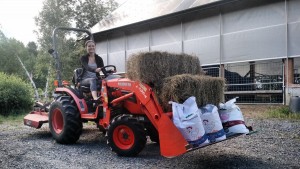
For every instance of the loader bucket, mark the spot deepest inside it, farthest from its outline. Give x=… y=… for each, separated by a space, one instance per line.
x=36 y=119
x=172 y=143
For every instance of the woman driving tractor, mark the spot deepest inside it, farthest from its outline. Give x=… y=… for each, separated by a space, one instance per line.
x=91 y=64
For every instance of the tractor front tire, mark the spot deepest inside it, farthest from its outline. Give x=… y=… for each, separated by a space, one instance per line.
x=64 y=121
x=126 y=136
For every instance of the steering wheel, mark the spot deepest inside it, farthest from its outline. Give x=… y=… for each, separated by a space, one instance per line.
x=108 y=70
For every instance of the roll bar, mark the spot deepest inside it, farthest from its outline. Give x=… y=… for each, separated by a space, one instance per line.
x=54 y=53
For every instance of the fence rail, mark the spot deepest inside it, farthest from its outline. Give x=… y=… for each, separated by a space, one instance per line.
x=253 y=82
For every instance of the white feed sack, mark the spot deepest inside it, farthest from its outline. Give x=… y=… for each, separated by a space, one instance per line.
x=212 y=123
x=232 y=118
x=187 y=119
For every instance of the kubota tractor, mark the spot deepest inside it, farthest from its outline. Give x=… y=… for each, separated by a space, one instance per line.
x=127 y=112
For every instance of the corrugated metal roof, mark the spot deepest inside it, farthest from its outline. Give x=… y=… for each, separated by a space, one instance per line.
x=134 y=11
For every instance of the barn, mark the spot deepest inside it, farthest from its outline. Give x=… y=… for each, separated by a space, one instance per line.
x=254 y=44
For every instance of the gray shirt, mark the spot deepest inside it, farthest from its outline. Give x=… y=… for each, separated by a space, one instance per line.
x=88 y=74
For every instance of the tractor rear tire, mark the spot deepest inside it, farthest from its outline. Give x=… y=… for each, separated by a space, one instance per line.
x=126 y=136
x=64 y=121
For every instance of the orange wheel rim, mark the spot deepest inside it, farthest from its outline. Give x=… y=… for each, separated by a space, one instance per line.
x=57 y=121
x=123 y=137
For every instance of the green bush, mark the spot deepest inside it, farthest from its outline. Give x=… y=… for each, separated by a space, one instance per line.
x=16 y=96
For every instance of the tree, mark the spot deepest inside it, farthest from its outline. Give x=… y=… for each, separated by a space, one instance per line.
x=32 y=48
x=2 y=36
x=90 y=12
x=11 y=63
x=29 y=77
x=65 y=13
x=9 y=47
x=54 y=13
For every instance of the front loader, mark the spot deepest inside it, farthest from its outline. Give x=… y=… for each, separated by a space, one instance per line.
x=127 y=112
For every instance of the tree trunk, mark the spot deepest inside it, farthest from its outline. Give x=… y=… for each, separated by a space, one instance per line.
x=47 y=85
x=32 y=82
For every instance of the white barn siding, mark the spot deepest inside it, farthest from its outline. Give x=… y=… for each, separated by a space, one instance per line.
x=236 y=32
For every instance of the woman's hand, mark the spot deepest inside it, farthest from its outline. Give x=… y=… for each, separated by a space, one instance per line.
x=98 y=70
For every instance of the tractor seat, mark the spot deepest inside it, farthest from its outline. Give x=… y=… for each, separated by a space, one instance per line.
x=84 y=88
x=76 y=81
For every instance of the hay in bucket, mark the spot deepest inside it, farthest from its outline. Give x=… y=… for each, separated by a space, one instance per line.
x=178 y=88
x=152 y=67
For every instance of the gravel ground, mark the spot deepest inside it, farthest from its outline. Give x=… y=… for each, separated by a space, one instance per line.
x=276 y=145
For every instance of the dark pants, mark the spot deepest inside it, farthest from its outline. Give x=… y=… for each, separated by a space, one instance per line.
x=90 y=81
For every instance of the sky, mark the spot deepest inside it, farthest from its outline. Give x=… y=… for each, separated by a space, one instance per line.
x=17 y=19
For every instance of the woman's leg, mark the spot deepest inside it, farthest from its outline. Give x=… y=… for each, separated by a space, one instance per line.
x=94 y=94
x=93 y=86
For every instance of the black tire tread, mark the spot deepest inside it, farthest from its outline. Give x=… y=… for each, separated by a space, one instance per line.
x=72 y=124
x=139 y=133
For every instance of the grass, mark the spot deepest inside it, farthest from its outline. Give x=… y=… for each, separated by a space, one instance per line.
x=14 y=118
x=282 y=112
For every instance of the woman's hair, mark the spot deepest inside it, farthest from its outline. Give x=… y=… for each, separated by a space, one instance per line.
x=88 y=41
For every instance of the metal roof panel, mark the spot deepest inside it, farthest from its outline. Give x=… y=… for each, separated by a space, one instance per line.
x=134 y=11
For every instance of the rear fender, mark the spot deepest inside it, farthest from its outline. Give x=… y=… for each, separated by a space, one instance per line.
x=81 y=104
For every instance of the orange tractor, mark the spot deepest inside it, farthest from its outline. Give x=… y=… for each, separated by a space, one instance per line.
x=128 y=112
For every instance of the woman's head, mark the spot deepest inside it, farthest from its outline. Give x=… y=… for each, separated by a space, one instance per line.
x=90 y=46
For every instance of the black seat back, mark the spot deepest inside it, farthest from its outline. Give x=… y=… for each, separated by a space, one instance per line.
x=77 y=76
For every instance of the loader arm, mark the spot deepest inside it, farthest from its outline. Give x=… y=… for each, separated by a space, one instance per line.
x=172 y=143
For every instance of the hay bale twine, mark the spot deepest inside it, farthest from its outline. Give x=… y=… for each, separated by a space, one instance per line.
x=178 y=88
x=152 y=67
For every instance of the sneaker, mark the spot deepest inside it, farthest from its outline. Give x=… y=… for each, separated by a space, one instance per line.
x=97 y=100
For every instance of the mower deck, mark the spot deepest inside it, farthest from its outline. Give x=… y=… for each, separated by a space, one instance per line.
x=36 y=119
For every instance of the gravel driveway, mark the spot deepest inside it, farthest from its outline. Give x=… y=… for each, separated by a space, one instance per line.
x=276 y=145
